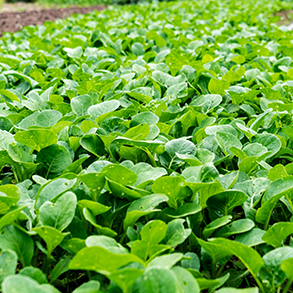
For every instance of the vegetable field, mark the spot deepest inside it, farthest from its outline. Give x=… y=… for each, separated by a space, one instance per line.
x=148 y=149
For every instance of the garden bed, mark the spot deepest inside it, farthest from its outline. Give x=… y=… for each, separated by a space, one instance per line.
x=148 y=149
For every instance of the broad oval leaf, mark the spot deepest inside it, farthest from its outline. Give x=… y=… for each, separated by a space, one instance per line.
x=59 y=214
x=250 y=257
x=159 y=280
x=101 y=260
x=142 y=207
x=8 y=263
x=222 y=204
x=278 y=233
x=236 y=227
x=18 y=241
x=36 y=139
x=25 y=284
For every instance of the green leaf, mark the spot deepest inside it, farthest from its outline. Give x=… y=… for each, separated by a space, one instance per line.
x=138 y=132
x=278 y=233
x=59 y=214
x=270 y=141
x=36 y=139
x=53 y=189
x=88 y=215
x=8 y=263
x=226 y=141
x=222 y=204
x=160 y=42
x=273 y=260
x=72 y=246
x=74 y=53
x=46 y=118
x=60 y=268
x=94 y=144
x=251 y=238
x=125 y=278
x=233 y=290
x=206 y=190
x=18 y=241
x=157 y=280
x=212 y=284
x=180 y=146
x=120 y=174
x=146 y=173
x=214 y=225
x=249 y=257
x=144 y=117
x=186 y=280
x=34 y=273
x=287 y=267
x=55 y=159
x=281 y=186
x=277 y=172
x=263 y=214
x=94 y=181
x=174 y=188
x=81 y=104
x=9 y=94
x=186 y=209
x=177 y=90
x=191 y=261
x=207 y=102
x=101 y=260
x=217 y=86
x=9 y=196
x=11 y=216
x=20 y=153
x=176 y=233
x=120 y=191
x=24 y=284
x=142 y=207
x=137 y=49
x=107 y=243
x=31 y=81
x=88 y=287
x=99 y=111
x=51 y=236
x=275 y=190
x=236 y=227
x=151 y=235
x=95 y=207
x=222 y=129
x=165 y=261
x=214 y=249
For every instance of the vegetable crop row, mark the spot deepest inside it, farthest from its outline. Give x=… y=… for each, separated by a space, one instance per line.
x=148 y=149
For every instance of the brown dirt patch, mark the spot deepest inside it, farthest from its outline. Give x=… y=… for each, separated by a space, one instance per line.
x=14 y=21
x=286 y=17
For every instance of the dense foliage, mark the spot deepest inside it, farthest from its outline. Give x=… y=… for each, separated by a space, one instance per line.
x=148 y=149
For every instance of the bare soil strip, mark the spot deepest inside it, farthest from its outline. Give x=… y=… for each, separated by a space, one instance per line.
x=14 y=21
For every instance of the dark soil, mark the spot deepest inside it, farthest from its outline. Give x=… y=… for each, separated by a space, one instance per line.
x=14 y=21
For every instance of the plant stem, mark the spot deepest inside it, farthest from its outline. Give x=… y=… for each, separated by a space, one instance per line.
x=214 y=269
x=171 y=162
x=122 y=238
x=221 y=268
x=46 y=261
x=288 y=285
x=259 y=283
